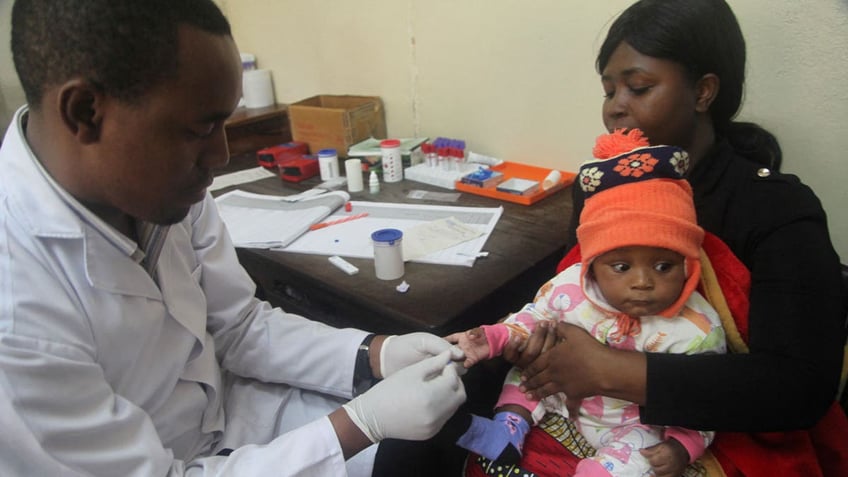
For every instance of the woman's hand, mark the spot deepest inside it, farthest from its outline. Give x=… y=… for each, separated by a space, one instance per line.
x=580 y=366
x=522 y=353
x=564 y=368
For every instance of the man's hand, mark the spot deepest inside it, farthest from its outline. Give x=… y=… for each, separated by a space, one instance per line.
x=668 y=458
x=412 y=404
x=400 y=351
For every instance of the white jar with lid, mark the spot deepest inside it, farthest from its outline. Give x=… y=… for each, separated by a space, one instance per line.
x=388 y=253
x=328 y=164
x=392 y=161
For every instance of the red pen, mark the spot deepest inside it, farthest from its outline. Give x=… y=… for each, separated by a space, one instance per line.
x=321 y=225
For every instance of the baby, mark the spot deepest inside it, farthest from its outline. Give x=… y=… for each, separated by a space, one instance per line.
x=633 y=290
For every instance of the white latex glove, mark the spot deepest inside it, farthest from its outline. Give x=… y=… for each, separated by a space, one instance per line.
x=412 y=404
x=399 y=351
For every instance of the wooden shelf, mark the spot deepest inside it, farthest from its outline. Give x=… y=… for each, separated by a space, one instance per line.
x=251 y=129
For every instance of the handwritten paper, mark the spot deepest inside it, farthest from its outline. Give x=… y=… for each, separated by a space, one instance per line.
x=429 y=237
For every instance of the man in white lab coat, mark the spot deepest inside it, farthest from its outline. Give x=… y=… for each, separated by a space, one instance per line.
x=130 y=339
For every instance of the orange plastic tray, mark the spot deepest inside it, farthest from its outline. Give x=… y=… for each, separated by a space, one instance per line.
x=522 y=171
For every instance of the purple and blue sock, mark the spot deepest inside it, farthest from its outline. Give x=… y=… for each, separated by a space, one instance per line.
x=499 y=439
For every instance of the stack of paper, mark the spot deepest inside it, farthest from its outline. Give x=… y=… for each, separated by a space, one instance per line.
x=263 y=221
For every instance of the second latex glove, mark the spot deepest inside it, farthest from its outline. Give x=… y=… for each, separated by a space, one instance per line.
x=399 y=351
x=412 y=404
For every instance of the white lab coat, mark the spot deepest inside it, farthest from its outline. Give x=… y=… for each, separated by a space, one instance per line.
x=104 y=373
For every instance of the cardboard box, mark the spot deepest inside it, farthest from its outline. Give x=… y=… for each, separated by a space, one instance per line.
x=338 y=122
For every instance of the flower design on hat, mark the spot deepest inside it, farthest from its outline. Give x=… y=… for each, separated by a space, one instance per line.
x=680 y=162
x=590 y=178
x=635 y=165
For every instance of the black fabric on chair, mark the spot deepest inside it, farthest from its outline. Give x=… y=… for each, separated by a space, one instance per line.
x=843 y=399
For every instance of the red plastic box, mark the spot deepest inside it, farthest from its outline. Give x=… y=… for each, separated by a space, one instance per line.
x=271 y=157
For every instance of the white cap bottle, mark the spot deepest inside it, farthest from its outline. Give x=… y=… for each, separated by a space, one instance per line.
x=373 y=183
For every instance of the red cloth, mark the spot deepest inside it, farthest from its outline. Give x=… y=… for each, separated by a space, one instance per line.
x=819 y=452
x=734 y=279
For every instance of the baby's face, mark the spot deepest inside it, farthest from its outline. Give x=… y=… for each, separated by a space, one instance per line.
x=638 y=280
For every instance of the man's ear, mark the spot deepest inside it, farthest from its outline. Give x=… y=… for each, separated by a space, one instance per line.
x=81 y=109
x=706 y=90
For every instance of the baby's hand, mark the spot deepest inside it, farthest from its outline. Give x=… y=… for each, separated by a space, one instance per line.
x=668 y=458
x=473 y=343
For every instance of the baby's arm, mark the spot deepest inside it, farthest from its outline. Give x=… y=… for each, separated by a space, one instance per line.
x=487 y=341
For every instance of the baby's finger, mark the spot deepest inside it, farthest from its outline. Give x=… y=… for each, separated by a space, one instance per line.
x=453 y=338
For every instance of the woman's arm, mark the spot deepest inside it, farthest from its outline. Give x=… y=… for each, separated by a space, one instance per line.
x=796 y=345
x=581 y=366
x=796 y=341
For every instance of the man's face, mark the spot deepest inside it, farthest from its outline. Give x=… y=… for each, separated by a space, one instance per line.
x=156 y=156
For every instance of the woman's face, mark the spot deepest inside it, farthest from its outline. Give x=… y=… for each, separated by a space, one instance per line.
x=651 y=94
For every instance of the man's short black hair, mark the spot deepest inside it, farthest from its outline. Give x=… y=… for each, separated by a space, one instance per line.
x=125 y=47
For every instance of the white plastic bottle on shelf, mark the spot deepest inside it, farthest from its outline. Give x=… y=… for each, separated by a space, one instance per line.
x=373 y=183
x=328 y=164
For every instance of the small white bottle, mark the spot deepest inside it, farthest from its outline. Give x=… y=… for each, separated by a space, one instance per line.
x=373 y=183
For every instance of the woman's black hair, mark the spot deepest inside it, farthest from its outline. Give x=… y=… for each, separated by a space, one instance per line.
x=123 y=46
x=704 y=37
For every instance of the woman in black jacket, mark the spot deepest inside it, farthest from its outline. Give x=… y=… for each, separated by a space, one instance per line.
x=675 y=69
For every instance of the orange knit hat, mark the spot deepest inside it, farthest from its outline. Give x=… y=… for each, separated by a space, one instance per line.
x=635 y=194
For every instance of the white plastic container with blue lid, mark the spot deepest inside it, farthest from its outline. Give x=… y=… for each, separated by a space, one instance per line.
x=328 y=164
x=388 y=253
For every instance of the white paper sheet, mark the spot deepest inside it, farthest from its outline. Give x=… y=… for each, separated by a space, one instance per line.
x=240 y=177
x=353 y=238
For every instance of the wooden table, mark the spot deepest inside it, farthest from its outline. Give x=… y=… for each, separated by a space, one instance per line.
x=524 y=249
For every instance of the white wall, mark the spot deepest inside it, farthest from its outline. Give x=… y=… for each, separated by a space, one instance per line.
x=516 y=79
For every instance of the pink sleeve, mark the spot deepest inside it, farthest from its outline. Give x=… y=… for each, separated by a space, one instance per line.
x=497 y=336
x=693 y=441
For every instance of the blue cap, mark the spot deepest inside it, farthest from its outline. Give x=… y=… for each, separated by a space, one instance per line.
x=387 y=235
x=327 y=152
